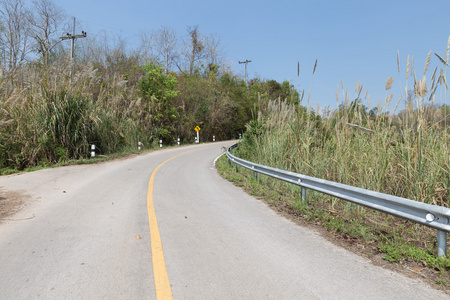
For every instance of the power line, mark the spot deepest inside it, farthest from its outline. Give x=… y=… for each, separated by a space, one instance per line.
x=102 y=29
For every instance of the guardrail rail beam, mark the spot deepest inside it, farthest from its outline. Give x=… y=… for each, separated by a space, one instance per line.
x=434 y=216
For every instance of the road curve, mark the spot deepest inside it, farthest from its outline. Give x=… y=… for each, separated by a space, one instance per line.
x=84 y=234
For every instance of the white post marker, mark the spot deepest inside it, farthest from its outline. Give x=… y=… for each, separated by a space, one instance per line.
x=92 y=151
x=214 y=138
x=160 y=143
x=139 y=146
x=178 y=141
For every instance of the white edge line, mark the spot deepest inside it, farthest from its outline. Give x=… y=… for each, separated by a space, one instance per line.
x=218 y=158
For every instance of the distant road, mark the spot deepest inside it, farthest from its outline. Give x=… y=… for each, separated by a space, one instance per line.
x=84 y=234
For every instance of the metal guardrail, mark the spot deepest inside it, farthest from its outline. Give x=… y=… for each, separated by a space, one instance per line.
x=430 y=215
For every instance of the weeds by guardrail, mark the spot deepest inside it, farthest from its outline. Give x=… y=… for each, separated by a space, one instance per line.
x=434 y=216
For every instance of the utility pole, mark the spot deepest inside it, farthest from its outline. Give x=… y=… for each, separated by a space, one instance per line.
x=245 y=68
x=73 y=37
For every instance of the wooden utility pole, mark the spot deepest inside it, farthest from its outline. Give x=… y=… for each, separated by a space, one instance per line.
x=73 y=37
x=245 y=68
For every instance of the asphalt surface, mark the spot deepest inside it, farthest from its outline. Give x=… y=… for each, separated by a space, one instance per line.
x=84 y=234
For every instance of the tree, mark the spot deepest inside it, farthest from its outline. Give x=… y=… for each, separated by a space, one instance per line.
x=159 y=92
x=145 y=50
x=193 y=48
x=166 y=43
x=213 y=50
x=95 y=48
x=14 y=36
x=114 y=56
x=44 y=21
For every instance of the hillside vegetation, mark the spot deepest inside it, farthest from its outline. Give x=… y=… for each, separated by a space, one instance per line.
x=48 y=116
x=53 y=107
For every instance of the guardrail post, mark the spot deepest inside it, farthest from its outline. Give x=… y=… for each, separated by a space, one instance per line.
x=255 y=173
x=441 y=243
x=303 y=194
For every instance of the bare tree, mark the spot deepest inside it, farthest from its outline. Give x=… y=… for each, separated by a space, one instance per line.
x=104 y=50
x=93 y=49
x=213 y=50
x=14 y=36
x=145 y=50
x=193 y=48
x=116 y=56
x=44 y=21
x=166 y=42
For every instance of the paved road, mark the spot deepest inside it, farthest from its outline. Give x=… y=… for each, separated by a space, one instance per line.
x=219 y=243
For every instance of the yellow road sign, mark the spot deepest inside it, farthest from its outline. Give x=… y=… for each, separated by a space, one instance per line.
x=197 y=128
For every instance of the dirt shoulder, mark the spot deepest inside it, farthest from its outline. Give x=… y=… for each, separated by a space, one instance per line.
x=11 y=202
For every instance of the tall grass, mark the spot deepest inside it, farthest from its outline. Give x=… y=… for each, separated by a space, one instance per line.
x=50 y=115
x=404 y=154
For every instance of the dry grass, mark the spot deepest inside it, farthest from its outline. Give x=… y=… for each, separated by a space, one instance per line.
x=48 y=115
x=404 y=154
x=389 y=83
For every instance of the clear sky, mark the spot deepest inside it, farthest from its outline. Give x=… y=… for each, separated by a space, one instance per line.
x=352 y=40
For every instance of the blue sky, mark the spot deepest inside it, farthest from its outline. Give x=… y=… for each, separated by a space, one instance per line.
x=352 y=40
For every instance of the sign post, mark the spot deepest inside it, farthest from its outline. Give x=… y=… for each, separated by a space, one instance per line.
x=198 y=134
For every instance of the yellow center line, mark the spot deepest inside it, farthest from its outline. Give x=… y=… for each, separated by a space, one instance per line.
x=162 y=285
